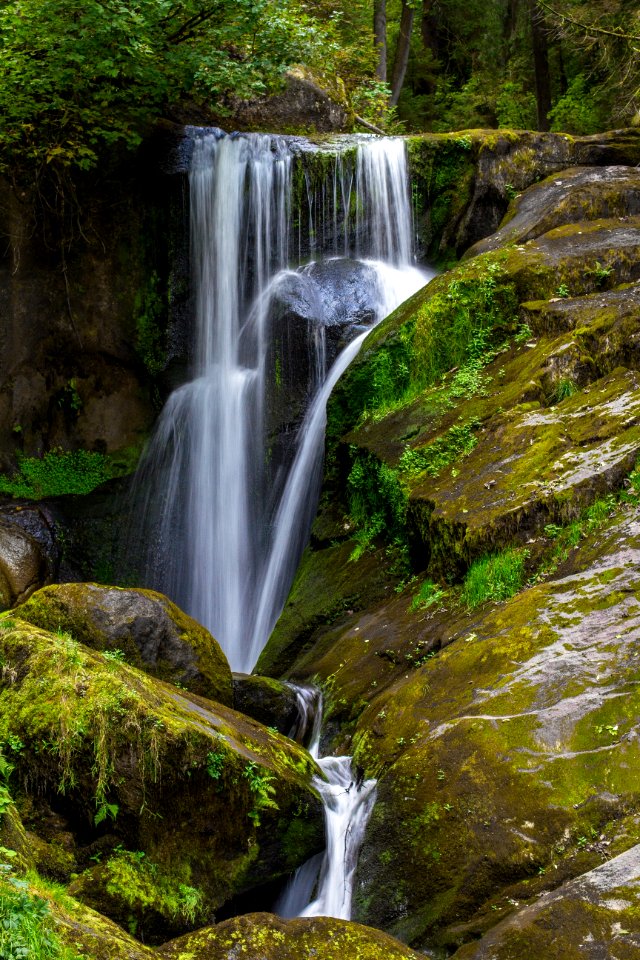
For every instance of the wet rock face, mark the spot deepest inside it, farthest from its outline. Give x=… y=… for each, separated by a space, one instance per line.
x=269 y=701
x=504 y=736
x=592 y=916
x=143 y=626
x=29 y=552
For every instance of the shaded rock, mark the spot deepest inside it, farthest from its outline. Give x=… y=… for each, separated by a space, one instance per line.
x=466 y=179
x=576 y=194
x=593 y=916
x=147 y=629
x=302 y=107
x=191 y=787
x=267 y=936
x=269 y=701
x=23 y=565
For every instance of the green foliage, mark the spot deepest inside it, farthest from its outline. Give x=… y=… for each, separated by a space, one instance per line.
x=428 y=594
x=578 y=110
x=262 y=791
x=457 y=442
x=516 y=106
x=564 y=388
x=215 y=764
x=143 y=885
x=376 y=500
x=57 y=472
x=77 y=76
x=150 y=335
x=27 y=930
x=496 y=577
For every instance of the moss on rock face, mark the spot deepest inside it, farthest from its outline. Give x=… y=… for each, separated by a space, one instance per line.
x=208 y=795
x=141 y=627
x=595 y=915
x=510 y=755
x=270 y=938
x=576 y=194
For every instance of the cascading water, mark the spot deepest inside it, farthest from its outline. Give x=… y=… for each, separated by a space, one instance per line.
x=322 y=886
x=225 y=527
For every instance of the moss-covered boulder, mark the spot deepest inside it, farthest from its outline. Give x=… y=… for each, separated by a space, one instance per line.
x=142 y=627
x=188 y=801
x=270 y=938
x=595 y=915
x=576 y=194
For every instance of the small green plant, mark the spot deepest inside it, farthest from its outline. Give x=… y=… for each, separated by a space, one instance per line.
x=600 y=273
x=564 y=388
x=262 y=790
x=496 y=577
x=428 y=594
x=510 y=191
x=523 y=333
x=215 y=764
x=115 y=656
x=563 y=291
x=105 y=811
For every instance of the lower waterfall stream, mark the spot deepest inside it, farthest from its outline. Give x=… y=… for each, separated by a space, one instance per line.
x=322 y=887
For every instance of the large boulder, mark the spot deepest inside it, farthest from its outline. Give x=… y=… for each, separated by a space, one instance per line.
x=270 y=938
x=142 y=627
x=183 y=802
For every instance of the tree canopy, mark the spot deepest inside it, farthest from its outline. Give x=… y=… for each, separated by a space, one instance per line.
x=79 y=76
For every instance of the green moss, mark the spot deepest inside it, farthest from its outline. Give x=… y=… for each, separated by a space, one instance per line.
x=58 y=472
x=150 y=324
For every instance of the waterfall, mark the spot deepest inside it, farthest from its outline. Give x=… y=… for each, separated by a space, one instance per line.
x=323 y=886
x=231 y=479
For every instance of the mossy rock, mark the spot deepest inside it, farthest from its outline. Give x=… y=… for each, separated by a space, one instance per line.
x=329 y=586
x=270 y=938
x=508 y=761
x=466 y=179
x=216 y=801
x=83 y=931
x=574 y=195
x=144 y=627
x=271 y=702
x=594 y=915
x=18 y=850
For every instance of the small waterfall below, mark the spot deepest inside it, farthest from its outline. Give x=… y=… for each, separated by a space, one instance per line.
x=323 y=886
x=232 y=475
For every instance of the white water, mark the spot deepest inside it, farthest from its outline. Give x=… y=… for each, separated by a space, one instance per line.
x=348 y=803
x=224 y=530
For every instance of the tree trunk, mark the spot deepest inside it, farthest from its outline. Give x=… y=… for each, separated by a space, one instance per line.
x=380 y=37
x=540 y=47
x=429 y=28
x=402 y=52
